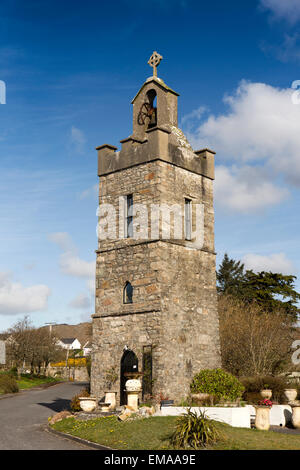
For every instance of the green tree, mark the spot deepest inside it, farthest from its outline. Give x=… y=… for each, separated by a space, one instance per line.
x=230 y=275
x=271 y=291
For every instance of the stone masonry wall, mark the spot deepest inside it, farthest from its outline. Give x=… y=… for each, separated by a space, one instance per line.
x=174 y=307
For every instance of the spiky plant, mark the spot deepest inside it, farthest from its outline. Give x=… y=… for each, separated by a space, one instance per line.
x=194 y=431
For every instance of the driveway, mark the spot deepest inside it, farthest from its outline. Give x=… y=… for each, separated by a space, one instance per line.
x=23 y=418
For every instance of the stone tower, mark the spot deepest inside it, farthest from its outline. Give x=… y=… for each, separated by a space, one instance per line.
x=156 y=302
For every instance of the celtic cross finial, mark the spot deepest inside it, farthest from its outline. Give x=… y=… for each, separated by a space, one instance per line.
x=154 y=62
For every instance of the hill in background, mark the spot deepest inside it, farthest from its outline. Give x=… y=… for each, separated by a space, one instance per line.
x=81 y=331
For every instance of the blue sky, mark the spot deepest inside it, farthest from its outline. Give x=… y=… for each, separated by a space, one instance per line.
x=71 y=70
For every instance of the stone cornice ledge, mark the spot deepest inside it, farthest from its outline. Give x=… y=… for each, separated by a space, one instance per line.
x=122 y=314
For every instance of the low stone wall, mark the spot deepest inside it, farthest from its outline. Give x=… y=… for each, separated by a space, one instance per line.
x=237 y=417
x=240 y=417
x=77 y=374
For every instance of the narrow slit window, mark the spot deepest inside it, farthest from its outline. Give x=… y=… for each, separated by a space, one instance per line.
x=128 y=216
x=188 y=219
x=128 y=293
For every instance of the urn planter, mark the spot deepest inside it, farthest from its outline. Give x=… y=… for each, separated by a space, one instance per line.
x=266 y=393
x=88 y=404
x=133 y=387
x=290 y=394
x=262 y=418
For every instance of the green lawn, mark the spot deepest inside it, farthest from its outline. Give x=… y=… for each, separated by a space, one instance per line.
x=153 y=434
x=24 y=382
x=29 y=381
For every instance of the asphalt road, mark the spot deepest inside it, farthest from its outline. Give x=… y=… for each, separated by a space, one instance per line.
x=24 y=416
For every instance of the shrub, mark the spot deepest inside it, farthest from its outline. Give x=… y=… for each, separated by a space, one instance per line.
x=218 y=383
x=8 y=384
x=13 y=372
x=75 y=403
x=253 y=385
x=194 y=431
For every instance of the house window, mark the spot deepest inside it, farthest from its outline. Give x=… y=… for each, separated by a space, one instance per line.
x=128 y=216
x=188 y=219
x=128 y=293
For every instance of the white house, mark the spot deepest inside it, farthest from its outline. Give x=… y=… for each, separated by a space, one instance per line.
x=69 y=343
x=87 y=348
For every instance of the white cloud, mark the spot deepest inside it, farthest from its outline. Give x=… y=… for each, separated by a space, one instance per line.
x=190 y=117
x=78 y=139
x=261 y=126
x=283 y=9
x=245 y=189
x=287 y=50
x=81 y=301
x=16 y=298
x=276 y=263
x=70 y=263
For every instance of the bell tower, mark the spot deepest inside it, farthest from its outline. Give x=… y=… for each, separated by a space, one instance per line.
x=156 y=302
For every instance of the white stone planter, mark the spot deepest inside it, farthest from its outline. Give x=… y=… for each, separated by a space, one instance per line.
x=296 y=416
x=290 y=394
x=280 y=415
x=262 y=418
x=133 y=388
x=266 y=394
x=110 y=397
x=105 y=407
x=88 y=404
x=133 y=385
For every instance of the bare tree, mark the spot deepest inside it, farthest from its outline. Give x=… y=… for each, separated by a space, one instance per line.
x=30 y=346
x=253 y=341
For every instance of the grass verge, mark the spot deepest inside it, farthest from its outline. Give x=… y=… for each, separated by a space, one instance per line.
x=154 y=433
x=30 y=381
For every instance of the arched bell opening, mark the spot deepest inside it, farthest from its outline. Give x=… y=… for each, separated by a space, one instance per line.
x=152 y=98
x=148 y=112
x=129 y=363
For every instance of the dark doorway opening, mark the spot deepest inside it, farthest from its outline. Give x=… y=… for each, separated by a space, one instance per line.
x=129 y=363
x=147 y=372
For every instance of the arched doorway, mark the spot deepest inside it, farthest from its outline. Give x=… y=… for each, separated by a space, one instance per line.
x=129 y=363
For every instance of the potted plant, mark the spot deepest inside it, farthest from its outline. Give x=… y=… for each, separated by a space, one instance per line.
x=262 y=417
x=266 y=392
x=110 y=379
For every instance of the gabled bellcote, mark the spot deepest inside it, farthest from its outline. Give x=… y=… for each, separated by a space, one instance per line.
x=155 y=135
x=155 y=105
